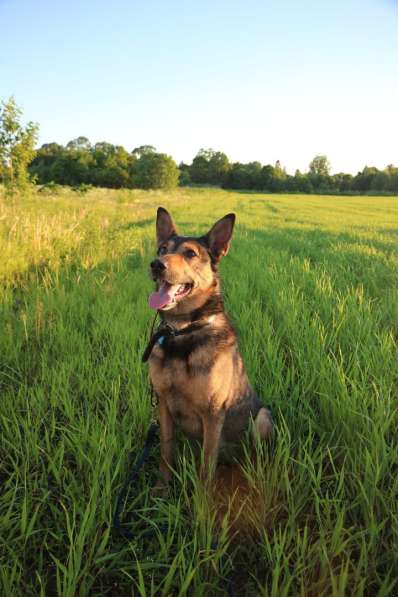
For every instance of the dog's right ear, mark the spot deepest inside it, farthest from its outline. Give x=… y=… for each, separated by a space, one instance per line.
x=165 y=227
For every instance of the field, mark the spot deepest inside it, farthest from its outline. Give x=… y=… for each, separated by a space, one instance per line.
x=311 y=285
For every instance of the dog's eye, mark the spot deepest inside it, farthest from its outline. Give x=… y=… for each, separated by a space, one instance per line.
x=162 y=250
x=190 y=254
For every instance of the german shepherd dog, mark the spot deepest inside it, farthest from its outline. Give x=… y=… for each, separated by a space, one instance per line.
x=195 y=367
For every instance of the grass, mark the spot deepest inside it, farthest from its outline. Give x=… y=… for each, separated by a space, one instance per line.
x=311 y=285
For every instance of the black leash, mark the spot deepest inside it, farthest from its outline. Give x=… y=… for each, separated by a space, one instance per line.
x=149 y=442
x=121 y=498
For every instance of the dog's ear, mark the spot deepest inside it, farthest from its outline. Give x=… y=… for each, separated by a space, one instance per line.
x=219 y=236
x=165 y=226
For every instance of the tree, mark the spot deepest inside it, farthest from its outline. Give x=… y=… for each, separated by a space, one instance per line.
x=72 y=168
x=16 y=147
x=342 y=182
x=380 y=181
x=41 y=166
x=279 y=182
x=143 y=150
x=199 y=170
x=320 y=166
x=185 y=177
x=210 y=167
x=319 y=174
x=80 y=143
x=392 y=173
x=219 y=167
x=243 y=176
x=111 y=166
x=299 y=183
x=363 y=181
x=155 y=171
x=266 y=177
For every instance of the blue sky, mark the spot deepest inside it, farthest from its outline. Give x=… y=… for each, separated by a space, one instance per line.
x=260 y=80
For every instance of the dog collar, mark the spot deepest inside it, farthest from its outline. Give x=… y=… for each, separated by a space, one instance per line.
x=166 y=331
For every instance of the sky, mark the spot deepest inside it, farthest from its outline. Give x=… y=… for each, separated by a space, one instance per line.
x=259 y=80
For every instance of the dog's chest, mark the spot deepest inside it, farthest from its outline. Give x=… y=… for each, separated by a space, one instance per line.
x=174 y=380
x=165 y=372
x=183 y=394
x=169 y=375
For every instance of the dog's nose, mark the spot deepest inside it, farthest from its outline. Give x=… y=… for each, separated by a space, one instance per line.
x=157 y=266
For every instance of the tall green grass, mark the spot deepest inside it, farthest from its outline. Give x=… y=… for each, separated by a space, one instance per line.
x=311 y=285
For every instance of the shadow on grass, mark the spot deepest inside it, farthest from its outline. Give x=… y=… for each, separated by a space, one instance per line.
x=314 y=244
x=137 y=224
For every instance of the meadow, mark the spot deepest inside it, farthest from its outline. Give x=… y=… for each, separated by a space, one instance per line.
x=311 y=284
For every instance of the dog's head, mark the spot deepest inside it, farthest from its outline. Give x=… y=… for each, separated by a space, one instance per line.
x=185 y=269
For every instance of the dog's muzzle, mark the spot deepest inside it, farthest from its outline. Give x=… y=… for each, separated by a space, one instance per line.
x=157 y=267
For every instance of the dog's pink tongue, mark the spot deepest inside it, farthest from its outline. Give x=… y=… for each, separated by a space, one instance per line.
x=162 y=297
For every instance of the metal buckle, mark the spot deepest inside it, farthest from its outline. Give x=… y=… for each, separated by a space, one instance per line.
x=168 y=329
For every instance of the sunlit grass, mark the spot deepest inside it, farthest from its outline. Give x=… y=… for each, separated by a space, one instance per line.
x=311 y=284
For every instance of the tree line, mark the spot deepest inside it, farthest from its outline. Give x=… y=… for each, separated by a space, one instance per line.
x=80 y=163
x=112 y=166
x=213 y=167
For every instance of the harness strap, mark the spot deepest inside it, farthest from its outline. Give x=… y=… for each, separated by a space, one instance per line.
x=166 y=331
x=155 y=338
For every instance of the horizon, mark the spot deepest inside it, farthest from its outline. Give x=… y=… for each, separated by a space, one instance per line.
x=260 y=82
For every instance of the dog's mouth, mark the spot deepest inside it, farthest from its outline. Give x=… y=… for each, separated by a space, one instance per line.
x=168 y=295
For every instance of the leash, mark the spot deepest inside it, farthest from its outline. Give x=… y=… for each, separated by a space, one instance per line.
x=121 y=498
x=149 y=442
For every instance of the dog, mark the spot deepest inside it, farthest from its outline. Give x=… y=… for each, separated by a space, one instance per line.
x=195 y=367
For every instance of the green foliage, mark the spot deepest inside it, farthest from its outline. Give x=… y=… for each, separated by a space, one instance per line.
x=105 y=165
x=16 y=147
x=82 y=188
x=243 y=176
x=185 y=179
x=274 y=179
x=81 y=143
x=155 y=171
x=320 y=166
x=50 y=188
x=143 y=150
x=209 y=167
x=311 y=287
x=111 y=166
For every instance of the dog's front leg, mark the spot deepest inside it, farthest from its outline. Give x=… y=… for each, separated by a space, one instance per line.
x=166 y=443
x=212 y=428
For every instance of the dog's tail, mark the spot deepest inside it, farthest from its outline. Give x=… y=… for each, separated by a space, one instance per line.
x=263 y=423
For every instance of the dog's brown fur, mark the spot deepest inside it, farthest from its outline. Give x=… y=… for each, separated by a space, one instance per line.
x=199 y=377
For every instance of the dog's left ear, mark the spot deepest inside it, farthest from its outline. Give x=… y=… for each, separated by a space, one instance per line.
x=219 y=236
